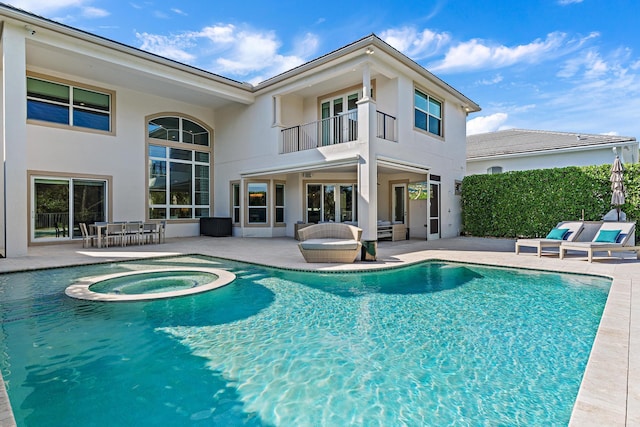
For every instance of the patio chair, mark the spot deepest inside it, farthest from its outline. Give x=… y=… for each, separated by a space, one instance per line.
x=114 y=233
x=151 y=232
x=133 y=232
x=87 y=239
x=611 y=237
x=566 y=231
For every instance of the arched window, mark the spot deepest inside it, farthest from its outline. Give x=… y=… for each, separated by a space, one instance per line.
x=179 y=158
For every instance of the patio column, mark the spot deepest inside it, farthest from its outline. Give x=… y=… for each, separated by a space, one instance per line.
x=15 y=215
x=367 y=167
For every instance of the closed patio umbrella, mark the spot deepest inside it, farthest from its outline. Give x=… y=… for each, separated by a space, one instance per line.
x=617 y=185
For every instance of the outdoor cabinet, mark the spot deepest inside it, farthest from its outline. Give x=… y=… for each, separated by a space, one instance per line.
x=215 y=226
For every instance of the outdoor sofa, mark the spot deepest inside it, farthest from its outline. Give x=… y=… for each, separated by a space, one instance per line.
x=566 y=231
x=330 y=242
x=611 y=237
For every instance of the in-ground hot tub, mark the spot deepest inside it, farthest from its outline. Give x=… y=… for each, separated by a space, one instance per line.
x=150 y=284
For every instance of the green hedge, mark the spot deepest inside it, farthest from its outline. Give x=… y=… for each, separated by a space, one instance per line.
x=530 y=203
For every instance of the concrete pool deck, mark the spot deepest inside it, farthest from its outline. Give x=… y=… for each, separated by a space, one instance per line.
x=610 y=390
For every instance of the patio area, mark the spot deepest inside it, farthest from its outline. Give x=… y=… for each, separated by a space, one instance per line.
x=610 y=391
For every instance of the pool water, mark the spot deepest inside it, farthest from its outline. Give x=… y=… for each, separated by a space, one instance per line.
x=430 y=344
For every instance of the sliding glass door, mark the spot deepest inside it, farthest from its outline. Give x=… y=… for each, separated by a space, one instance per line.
x=58 y=205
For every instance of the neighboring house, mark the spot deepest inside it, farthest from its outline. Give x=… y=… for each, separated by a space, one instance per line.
x=94 y=130
x=519 y=149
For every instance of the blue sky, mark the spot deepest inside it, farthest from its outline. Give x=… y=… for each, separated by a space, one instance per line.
x=558 y=65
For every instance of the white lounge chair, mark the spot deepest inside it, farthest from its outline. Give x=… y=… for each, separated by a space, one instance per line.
x=554 y=238
x=611 y=237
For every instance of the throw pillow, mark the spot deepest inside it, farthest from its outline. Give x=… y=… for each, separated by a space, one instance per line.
x=607 y=236
x=557 y=233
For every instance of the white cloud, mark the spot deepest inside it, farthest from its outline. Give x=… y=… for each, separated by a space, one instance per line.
x=172 y=47
x=486 y=124
x=94 y=12
x=232 y=51
x=179 y=11
x=417 y=45
x=49 y=7
x=476 y=54
x=590 y=61
x=46 y=6
x=488 y=82
x=567 y=2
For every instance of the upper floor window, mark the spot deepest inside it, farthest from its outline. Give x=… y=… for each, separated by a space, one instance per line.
x=428 y=113
x=65 y=104
x=494 y=170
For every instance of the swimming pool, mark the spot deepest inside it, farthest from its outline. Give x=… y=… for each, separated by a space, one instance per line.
x=429 y=344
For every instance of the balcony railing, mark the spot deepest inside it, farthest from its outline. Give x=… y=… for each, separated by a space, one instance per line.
x=333 y=130
x=386 y=127
x=329 y=131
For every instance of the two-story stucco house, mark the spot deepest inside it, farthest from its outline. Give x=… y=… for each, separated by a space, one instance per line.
x=93 y=130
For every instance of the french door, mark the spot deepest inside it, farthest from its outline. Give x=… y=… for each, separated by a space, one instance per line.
x=339 y=119
x=58 y=205
x=331 y=203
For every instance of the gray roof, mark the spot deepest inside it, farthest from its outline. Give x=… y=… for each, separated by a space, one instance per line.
x=515 y=141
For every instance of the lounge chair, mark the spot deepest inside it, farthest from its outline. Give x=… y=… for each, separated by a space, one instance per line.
x=554 y=238
x=611 y=237
x=330 y=242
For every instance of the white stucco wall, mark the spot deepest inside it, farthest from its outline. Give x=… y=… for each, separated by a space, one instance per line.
x=577 y=157
x=121 y=156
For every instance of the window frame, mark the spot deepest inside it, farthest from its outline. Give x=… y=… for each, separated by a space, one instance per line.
x=70 y=105
x=175 y=154
x=264 y=207
x=276 y=206
x=235 y=208
x=494 y=170
x=428 y=114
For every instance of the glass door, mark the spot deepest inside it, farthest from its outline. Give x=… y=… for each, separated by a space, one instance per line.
x=399 y=203
x=433 y=229
x=50 y=210
x=58 y=205
x=339 y=119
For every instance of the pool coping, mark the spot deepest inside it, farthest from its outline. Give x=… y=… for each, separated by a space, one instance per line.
x=610 y=390
x=82 y=288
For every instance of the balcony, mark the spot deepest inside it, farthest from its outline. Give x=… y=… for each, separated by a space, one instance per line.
x=333 y=130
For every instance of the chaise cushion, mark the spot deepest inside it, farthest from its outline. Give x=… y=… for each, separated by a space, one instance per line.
x=329 y=244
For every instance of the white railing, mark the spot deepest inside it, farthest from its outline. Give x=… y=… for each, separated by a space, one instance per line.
x=329 y=131
x=334 y=130
x=386 y=127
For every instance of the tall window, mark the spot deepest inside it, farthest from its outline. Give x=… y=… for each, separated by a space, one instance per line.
x=69 y=105
x=279 y=205
x=179 y=169
x=257 y=209
x=428 y=113
x=235 y=203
